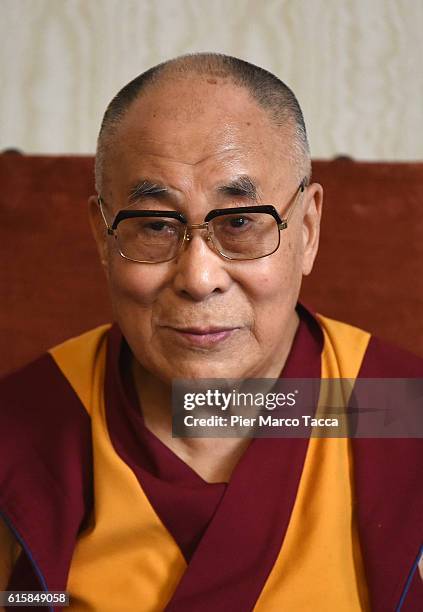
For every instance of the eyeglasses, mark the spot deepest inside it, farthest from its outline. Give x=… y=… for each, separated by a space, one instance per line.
x=240 y=233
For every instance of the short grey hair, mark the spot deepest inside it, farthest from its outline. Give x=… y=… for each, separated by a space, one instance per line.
x=272 y=94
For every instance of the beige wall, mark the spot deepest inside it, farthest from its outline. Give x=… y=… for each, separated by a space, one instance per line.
x=356 y=65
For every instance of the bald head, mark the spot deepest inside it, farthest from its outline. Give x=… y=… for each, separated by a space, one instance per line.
x=269 y=92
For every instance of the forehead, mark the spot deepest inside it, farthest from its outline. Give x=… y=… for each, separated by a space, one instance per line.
x=195 y=131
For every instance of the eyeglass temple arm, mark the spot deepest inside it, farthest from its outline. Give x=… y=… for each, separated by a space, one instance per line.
x=100 y=203
x=290 y=210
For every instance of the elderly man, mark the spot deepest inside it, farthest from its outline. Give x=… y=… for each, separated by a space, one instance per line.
x=205 y=221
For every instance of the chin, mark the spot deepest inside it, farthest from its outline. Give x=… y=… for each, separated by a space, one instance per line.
x=207 y=368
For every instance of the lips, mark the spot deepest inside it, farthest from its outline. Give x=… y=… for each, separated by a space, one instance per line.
x=201 y=331
x=203 y=336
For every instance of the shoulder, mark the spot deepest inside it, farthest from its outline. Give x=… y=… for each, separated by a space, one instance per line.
x=387 y=472
x=54 y=370
x=378 y=359
x=385 y=360
x=42 y=405
x=46 y=471
x=45 y=432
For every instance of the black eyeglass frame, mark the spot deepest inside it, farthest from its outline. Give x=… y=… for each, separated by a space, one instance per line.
x=123 y=214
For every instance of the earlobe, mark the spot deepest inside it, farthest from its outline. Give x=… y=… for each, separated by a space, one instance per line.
x=98 y=229
x=311 y=225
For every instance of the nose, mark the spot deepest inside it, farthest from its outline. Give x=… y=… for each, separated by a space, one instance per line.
x=200 y=271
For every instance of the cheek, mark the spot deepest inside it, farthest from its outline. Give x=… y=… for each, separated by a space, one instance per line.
x=273 y=286
x=134 y=283
x=274 y=278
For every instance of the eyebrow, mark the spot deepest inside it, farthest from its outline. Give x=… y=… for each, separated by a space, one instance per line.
x=146 y=188
x=243 y=186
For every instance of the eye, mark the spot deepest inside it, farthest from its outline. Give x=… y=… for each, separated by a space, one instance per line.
x=157 y=227
x=150 y=230
x=235 y=224
x=238 y=222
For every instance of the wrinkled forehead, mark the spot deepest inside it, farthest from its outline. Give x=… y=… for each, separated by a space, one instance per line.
x=194 y=130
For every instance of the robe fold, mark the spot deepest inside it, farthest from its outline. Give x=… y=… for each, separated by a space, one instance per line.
x=101 y=508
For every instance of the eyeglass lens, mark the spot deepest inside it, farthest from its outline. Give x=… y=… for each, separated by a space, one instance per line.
x=237 y=236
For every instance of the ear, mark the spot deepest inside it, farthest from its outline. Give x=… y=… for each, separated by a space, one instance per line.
x=312 y=206
x=99 y=230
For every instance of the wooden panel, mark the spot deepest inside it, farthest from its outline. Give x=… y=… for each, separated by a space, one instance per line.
x=369 y=270
x=52 y=285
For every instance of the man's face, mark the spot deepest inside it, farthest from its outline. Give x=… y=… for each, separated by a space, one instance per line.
x=201 y=315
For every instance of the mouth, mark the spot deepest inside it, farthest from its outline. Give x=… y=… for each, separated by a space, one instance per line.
x=203 y=336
